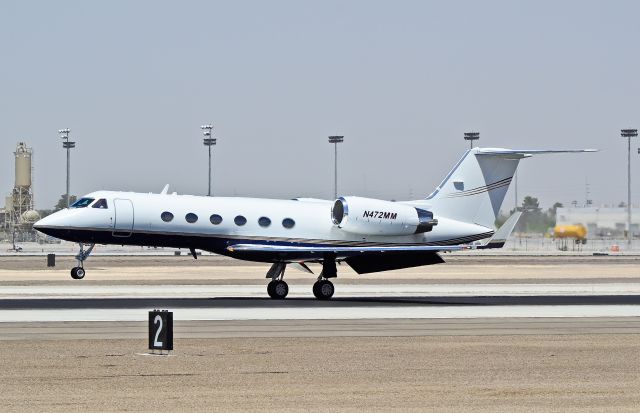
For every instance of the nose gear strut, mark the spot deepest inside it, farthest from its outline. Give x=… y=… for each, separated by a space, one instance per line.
x=78 y=273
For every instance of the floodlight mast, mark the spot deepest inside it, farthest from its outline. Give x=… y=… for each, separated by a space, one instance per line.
x=208 y=141
x=68 y=145
x=335 y=140
x=471 y=136
x=629 y=133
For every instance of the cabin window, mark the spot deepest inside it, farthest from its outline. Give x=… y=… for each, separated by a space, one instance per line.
x=191 y=218
x=101 y=204
x=264 y=222
x=166 y=216
x=215 y=219
x=240 y=220
x=82 y=203
x=288 y=223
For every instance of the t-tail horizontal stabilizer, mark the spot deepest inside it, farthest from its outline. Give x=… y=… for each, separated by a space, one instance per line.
x=526 y=153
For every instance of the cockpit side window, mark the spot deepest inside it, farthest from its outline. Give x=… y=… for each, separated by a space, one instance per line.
x=101 y=204
x=82 y=203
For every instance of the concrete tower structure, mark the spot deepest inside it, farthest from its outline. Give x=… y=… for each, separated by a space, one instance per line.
x=21 y=199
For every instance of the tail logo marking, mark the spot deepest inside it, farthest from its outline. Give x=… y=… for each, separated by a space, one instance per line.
x=481 y=189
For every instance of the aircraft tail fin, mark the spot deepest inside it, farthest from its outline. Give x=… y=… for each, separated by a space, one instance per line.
x=476 y=186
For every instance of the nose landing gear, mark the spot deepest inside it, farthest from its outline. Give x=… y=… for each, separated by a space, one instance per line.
x=78 y=273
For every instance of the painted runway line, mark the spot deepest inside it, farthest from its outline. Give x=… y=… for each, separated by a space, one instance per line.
x=326 y=313
x=296 y=290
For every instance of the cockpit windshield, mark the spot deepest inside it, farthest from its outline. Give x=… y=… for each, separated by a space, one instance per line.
x=82 y=203
x=100 y=204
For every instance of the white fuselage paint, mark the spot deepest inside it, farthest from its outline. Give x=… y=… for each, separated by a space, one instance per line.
x=312 y=219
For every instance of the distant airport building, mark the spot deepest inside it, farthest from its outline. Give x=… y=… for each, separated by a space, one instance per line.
x=600 y=221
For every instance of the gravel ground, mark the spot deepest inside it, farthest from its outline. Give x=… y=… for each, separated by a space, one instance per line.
x=569 y=373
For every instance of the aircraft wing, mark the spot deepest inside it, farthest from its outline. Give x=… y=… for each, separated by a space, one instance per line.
x=362 y=259
x=340 y=249
x=501 y=235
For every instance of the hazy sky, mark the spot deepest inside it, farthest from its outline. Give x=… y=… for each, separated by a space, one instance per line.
x=402 y=80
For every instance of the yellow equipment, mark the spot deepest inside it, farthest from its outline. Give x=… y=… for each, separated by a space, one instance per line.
x=577 y=231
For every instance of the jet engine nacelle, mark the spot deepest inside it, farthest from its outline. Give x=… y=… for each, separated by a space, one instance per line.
x=367 y=216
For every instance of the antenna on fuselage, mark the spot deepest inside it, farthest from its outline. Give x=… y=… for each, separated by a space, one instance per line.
x=165 y=190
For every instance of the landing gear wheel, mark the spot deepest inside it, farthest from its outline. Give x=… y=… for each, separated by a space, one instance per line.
x=323 y=289
x=77 y=273
x=278 y=290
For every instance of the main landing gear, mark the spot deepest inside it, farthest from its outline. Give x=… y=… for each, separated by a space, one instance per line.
x=277 y=287
x=78 y=273
x=323 y=289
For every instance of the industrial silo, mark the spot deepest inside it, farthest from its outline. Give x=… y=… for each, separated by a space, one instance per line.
x=23 y=166
x=9 y=213
x=9 y=203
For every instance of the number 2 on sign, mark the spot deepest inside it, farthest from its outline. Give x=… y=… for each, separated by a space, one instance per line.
x=157 y=320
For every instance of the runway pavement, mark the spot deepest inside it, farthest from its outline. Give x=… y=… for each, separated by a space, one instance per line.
x=378 y=307
x=582 y=294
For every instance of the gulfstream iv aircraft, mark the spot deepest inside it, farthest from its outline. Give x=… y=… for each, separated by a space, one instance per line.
x=369 y=235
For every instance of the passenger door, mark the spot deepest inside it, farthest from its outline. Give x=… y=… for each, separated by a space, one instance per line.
x=123 y=224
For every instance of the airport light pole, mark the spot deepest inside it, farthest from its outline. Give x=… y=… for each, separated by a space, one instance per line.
x=629 y=133
x=335 y=140
x=471 y=136
x=68 y=145
x=208 y=141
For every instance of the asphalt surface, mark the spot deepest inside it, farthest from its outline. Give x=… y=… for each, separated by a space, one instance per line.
x=293 y=303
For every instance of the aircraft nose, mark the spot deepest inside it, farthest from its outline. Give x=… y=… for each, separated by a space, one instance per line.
x=42 y=223
x=50 y=221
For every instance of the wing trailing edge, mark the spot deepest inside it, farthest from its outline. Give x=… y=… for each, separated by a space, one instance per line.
x=339 y=249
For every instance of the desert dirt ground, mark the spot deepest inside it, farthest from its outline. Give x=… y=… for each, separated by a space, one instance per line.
x=569 y=373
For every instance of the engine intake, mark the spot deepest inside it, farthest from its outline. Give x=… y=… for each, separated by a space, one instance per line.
x=366 y=216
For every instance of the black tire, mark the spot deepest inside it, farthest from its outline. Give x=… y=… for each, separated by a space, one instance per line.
x=278 y=290
x=323 y=289
x=77 y=273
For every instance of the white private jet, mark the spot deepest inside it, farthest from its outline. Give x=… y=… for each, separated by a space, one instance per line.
x=370 y=235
